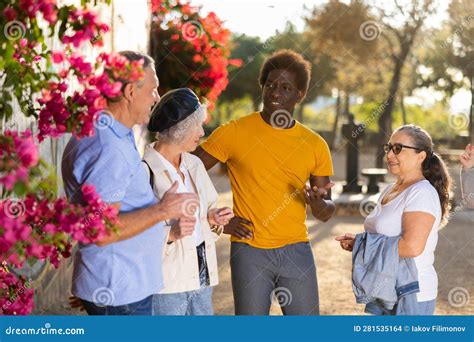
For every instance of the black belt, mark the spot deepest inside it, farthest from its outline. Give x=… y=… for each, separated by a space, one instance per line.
x=202 y=264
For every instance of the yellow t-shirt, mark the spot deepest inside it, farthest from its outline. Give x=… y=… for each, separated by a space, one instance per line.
x=268 y=169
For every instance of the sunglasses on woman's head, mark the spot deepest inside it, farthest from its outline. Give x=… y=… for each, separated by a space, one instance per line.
x=397 y=148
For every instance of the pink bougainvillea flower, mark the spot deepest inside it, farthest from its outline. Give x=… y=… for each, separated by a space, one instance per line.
x=59 y=56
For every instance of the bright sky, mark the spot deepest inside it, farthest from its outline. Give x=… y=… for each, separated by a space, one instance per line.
x=263 y=17
x=258 y=17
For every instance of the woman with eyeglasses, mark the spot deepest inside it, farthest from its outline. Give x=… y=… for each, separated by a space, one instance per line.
x=467 y=177
x=414 y=207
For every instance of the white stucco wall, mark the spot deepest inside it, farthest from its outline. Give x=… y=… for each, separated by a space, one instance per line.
x=129 y=21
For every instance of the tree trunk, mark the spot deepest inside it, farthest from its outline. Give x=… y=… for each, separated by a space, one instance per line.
x=385 y=119
x=219 y=113
x=300 y=112
x=227 y=114
x=471 y=114
x=336 y=119
x=256 y=104
x=347 y=99
x=402 y=107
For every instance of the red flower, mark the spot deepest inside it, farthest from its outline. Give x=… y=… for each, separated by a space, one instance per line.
x=47 y=8
x=58 y=56
x=86 y=28
x=16 y=295
x=204 y=49
x=10 y=13
x=18 y=153
x=26 y=149
x=235 y=62
x=159 y=6
x=82 y=68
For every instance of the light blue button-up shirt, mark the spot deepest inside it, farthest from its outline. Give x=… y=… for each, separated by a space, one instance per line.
x=127 y=271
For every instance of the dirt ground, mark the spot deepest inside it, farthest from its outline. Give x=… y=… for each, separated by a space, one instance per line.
x=454 y=261
x=454 y=264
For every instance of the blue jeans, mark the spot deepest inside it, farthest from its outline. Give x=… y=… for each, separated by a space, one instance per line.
x=426 y=308
x=189 y=303
x=286 y=275
x=409 y=307
x=142 y=307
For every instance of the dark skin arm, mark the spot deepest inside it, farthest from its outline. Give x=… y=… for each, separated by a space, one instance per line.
x=208 y=160
x=318 y=197
x=238 y=226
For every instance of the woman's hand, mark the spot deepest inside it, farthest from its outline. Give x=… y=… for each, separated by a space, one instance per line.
x=467 y=158
x=346 y=241
x=220 y=216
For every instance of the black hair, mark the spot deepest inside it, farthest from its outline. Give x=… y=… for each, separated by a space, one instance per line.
x=433 y=167
x=291 y=61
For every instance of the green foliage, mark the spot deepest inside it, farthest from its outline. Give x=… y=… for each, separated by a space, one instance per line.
x=319 y=121
x=322 y=71
x=434 y=119
x=231 y=110
x=336 y=26
x=243 y=82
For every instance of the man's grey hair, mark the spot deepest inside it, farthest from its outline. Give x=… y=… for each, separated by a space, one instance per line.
x=133 y=56
x=175 y=134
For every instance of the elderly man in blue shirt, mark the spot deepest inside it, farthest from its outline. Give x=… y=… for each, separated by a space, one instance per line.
x=119 y=275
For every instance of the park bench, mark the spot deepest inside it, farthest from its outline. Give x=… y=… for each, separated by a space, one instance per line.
x=374 y=175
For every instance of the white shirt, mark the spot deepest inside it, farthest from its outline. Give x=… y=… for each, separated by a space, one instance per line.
x=185 y=186
x=387 y=220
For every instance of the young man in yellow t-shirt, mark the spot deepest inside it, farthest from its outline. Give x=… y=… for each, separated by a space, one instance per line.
x=270 y=157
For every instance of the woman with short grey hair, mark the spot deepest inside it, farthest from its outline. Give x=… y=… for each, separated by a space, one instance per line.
x=189 y=260
x=174 y=134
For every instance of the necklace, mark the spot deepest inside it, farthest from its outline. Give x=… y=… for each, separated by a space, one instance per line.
x=397 y=189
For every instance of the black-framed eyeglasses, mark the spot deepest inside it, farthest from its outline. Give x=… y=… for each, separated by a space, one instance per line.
x=397 y=148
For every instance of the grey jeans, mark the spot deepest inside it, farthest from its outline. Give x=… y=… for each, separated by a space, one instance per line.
x=286 y=275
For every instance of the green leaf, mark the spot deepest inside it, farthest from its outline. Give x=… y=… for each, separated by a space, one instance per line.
x=31 y=261
x=7 y=111
x=20 y=189
x=7 y=97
